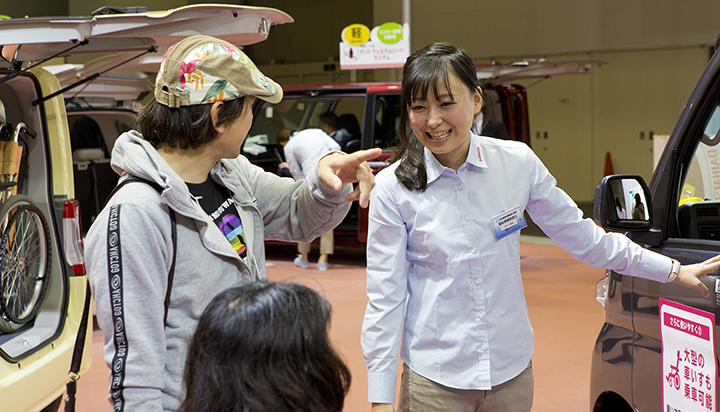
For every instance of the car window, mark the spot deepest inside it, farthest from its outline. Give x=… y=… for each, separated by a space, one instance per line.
x=699 y=197
x=85 y=133
x=703 y=178
x=99 y=129
x=350 y=111
x=387 y=121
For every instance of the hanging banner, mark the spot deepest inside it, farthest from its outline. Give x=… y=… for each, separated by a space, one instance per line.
x=384 y=47
x=688 y=358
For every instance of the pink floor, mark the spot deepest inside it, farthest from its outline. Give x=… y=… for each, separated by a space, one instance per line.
x=560 y=296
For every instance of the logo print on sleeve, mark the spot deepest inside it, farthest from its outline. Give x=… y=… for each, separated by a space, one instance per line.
x=115 y=278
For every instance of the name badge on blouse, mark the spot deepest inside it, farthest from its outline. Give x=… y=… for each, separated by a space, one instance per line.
x=508 y=222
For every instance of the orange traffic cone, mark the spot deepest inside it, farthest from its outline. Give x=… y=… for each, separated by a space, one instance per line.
x=608 y=165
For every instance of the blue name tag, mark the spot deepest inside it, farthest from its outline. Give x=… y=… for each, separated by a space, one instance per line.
x=508 y=222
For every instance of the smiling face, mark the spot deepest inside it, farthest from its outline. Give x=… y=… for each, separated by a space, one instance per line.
x=442 y=123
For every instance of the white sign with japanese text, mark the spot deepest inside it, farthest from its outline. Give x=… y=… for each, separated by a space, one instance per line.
x=385 y=46
x=688 y=358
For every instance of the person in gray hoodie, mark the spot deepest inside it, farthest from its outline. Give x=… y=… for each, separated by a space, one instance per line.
x=164 y=247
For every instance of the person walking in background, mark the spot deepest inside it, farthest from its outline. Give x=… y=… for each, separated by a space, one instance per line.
x=192 y=215
x=444 y=288
x=264 y=347
x=302 y=150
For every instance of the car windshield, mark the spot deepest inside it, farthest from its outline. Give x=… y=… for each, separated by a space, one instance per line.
x=368 y=119
x=296 y=114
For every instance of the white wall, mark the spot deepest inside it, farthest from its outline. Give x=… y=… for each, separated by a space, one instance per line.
x=614 y=109
x=37 y=8
x=500 y=28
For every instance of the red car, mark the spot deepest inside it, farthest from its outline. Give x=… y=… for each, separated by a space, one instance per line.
x=370 y=113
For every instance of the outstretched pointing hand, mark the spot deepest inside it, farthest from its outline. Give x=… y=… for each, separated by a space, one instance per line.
x=338 y=168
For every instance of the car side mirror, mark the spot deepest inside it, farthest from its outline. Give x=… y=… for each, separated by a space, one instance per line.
x=622 y=202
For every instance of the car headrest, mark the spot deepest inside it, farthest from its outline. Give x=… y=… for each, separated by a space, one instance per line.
x=349 y=122
x=81 y=155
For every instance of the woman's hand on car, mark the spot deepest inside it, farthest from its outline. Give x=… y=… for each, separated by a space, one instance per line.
x=338 y=168
x=690 y=275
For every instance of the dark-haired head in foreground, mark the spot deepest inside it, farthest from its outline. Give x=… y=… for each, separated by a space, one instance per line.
x=264 y=347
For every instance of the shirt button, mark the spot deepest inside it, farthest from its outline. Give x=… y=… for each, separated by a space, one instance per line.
x=459 y=187
x=483 y=347
x=477 y=281
x=467 y=218
x=472 y=250
x=480 y=315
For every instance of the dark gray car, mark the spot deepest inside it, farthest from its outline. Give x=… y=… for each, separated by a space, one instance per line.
x=657 y=350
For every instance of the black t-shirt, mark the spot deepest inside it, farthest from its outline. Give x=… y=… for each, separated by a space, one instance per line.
x=216 y=200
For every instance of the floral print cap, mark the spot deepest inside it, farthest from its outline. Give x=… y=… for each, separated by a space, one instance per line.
x=204 y=69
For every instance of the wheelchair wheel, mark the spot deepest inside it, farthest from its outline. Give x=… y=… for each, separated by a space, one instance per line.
x=24 y=261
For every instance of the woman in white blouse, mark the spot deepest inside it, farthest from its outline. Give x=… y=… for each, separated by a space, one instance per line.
x=443 y=251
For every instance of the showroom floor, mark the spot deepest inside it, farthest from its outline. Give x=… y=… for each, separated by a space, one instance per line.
x=560 y=294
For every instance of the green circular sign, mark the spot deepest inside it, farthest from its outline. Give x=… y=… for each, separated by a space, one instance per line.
x=390 y=33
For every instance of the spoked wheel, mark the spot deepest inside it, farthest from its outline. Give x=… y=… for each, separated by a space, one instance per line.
x=24 y=261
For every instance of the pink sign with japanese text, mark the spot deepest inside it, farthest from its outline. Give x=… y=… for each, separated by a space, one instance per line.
x=688 y=358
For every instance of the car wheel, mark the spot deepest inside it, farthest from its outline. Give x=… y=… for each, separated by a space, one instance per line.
x=611 y=402
x=24 y=261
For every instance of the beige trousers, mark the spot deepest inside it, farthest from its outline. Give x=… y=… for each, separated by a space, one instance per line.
x=418 y=394
x=327 y=244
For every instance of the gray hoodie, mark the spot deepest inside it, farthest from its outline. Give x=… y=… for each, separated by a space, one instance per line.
x=128 y=252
